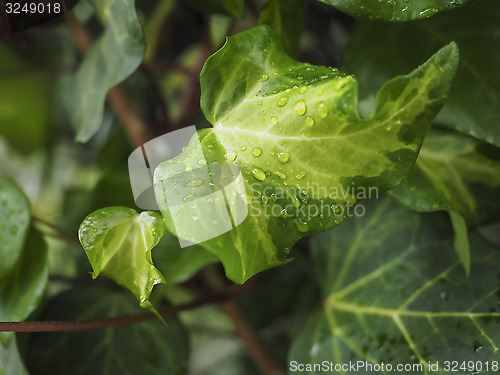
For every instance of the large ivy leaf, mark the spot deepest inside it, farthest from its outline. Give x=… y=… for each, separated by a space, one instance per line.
x=286 y=17
x=472 y=107
x=148 y=348
x=117 y=241
x=305 y=154
x=24 y=103
x=394 y=293
x=15 y=216
x=394 y=10
x=454 y=172
x=23 y=291
x=10 y=360
x=235 y=8
x=110 y=60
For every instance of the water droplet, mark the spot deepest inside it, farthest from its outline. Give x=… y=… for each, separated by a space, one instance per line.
x=243 y=148
x=265 y=77
x=161 y=179
x=295 y=201
x=301 y=226
x=300 y=175
x=231 y=156
x=280 y=175
x=477 y=346
x=303 y=90
x=265 y=199
x=210 y=146
x=188 y=169
x=336 y=208
x=283 y=157
x=322 y=109
x=187 y=198
x=256 y=152
x=283 y=101
x=309 y=121
x=176 y=191
x=283 y=213
x=274 y=120
x=300 y=107
x=259 y=103
x=202 y=162
x=196 y=182
x=259 y=174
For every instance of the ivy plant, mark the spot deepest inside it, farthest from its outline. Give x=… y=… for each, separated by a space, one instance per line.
x=336 y=209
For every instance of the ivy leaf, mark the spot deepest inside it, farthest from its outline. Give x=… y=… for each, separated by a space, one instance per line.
x=394 y=293
x=454 y=172
x=147 y=348
x=15 y=216
x=286 y=17
x=305 y=154
x=109 y=61
x=23 y=291
x=117 y=241
x=395 y=10
x=235 y=8
x=393 y=49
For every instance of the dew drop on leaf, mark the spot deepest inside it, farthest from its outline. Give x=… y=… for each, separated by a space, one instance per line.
x=300 y=175
x=309 y=121
x=283 y=157
x=300 y=107
x=259 y=174
x=295 y=201
x=301 y=226
x=274 y=120
x=303 y=90
x=265 y=77
x=322 y=109
x=256 y=152
x=231 y=156
x=282 y=102
x=243 y=148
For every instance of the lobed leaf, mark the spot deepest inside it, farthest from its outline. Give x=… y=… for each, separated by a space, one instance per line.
x=393 y=292
x=304 y=152
x=15 y=216
x=395 y=10
x=109 y=61
x=117 y=241
x=24 y=289
x=472 y=107
x=147 y=348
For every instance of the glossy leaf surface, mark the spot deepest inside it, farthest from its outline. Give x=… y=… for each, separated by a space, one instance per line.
x=394 y=10
x=111 y=59
x=472 y=107
x=15 y=216
x=394 y=292
x=304 y=152
x=117 y=241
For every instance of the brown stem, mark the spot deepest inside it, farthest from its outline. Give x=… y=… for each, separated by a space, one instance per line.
x=135 y=126
x=85 y=325
x=252 y=342
x=54 y=231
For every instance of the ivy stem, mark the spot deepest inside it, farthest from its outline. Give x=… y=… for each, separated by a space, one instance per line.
x=54 y=231
x=255 y=347
x=92 y=324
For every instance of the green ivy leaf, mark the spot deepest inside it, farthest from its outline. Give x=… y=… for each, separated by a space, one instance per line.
x=118 y=243
x=15 y=216
x=454 y=172
x=23 y=291
x=10 y=360
x=462 y=246
x=147 y=348
x=294 y=132
x=394 y=293
x=394 y=10
x=394 y=48
x=24 y=102
x=109 y=61
x=286 y=17
x=235 y=8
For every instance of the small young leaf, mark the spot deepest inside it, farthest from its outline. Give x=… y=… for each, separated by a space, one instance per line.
x=15 y=216
x=472 y=107
x=118 y=243
x=23 y=291
x=305 y=154
x=395 y=10
x=286 y=17
x=394 y=292
x=110 y=60
x=457 y=173
x=147 y=348
x=235 y=8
